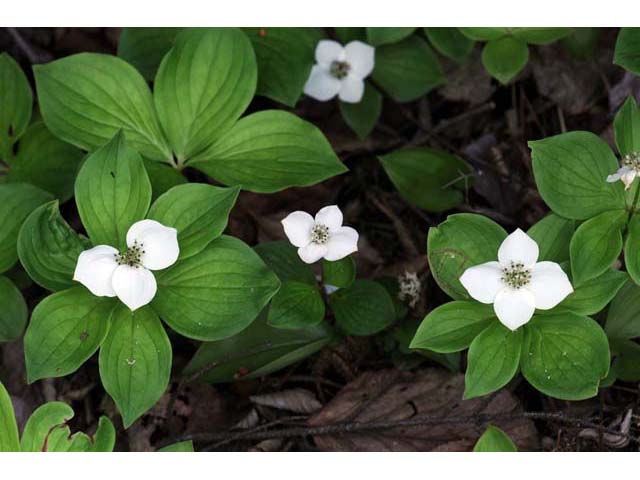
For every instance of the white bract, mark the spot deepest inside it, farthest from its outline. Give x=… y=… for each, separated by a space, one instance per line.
x=322 y=236
x=628 y=171
x=109 y=273
x=340 y=71
x=517 y=283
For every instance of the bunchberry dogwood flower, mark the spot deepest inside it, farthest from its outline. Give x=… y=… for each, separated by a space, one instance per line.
x=340 y=71
x=109 y=273
x=517 y=283
x=322 y=237
x=628 y=171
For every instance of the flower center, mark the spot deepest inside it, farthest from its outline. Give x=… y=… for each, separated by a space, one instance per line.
x=319 y=234
x=632 y=160
x=339 y=69
x=515 y=275
x=132 y=257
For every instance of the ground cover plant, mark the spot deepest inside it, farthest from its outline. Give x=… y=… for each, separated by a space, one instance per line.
x=337 y=239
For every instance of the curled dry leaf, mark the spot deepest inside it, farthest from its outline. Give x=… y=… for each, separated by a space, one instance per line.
x=296 y=400
x=611 y=439
x=392 y=396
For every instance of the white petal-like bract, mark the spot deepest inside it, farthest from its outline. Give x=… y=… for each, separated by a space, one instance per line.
x=312 y=252
x=159 y=243
x=329 y=216
x=342 y=242
x=361 y=58
x=518 y=247
x=95 y=269
x=135 y=286
x=328 y=51
x=483 y=282
x=549 y=285
x=514 y=307
x=297 y=228
x=321 y=85
x=352 y=89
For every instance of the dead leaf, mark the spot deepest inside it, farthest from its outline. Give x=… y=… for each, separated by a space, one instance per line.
x=468 y=83
x=392 y=395
x=296 y=400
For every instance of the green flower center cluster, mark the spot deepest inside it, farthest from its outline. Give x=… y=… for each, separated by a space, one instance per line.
x=515 y=275
x=132 y=257
x=339 y=69
x=632 y=160
x=319 y=234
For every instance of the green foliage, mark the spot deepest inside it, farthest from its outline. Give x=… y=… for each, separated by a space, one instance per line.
x=13 y=314
x=256 y=351
x=450 y=42
x=364 y=308
x=570 y=171
x=112 y=192
x=48 y=248
x=296 y=305
x=627 y=52
x=363 y=116
x=144 y=47
x=505 y=57
x=186 y=446
x=623 y=317
x=626 y=127
x=285 y=57
x=462 y=241
x=408 y=69
x=592 y=296
x=15 y=104
x=553 y=235
x=377 y=36
x=494 y=440
x=283 y=259
x=135 y=361
x=341 y=273
x=9 y=440
x=427 y=178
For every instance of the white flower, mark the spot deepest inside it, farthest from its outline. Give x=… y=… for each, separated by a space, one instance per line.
x=517 y=283
x=628 y=171
x=322 y=237
x=109 y=273
x=340 y=71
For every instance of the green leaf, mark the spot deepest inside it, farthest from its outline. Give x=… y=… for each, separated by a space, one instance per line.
x=16 y=102
x=216 y=293
x=86 y=98
x=596 y=244
x=627 y=52
x=283 y=259
x=462 y=241
x=66 y=328
x=427 y=178
x=553 y=235
x=453 y=326
x=365 y=308
x=46 y=162
x=144 y=47
x=623 y=317
x=363 y=116
x=450 y=42
x=565 y=355
x=540 y=35
x=349 y=34
x=626 y=127
x=44 y=427
x=377 y=36
x=162 y=177
x=256 y=351
x=632 y=249
x=198 y=211
x=9 y=440
x=105 y=437
x=17 y=201
x=493 y=360
x=504 y=58
x=285 y=57
x=49 y=248
x=186 y=446
x=341 y=273
x=408 y=69
x=626 y=364
x=203 y=85
x=484 y=33
x=135 y=361
x=269 y=151
x=494 y=440
x=581 y=43
x=13 y=314
x=296 y=305
x=571 y=171
x=592 y=296
x=112 y=192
